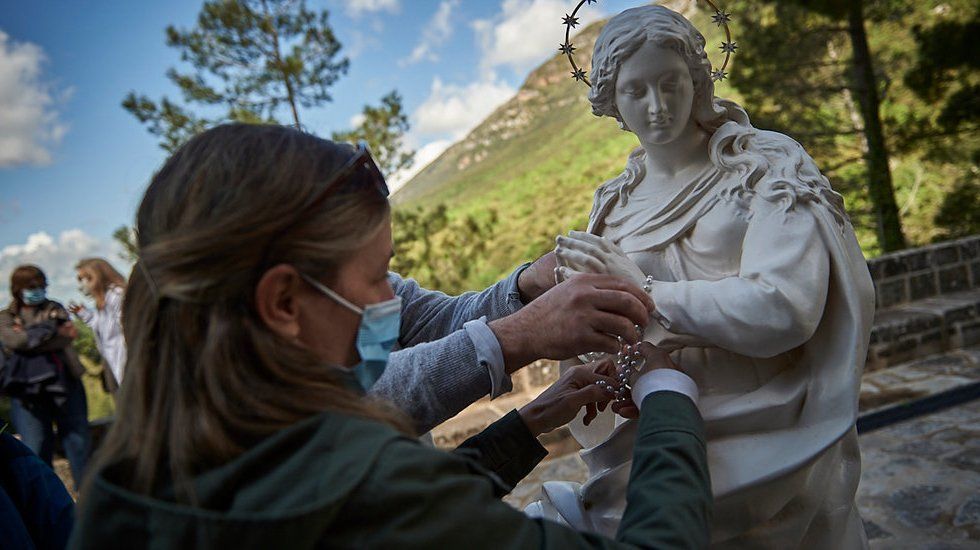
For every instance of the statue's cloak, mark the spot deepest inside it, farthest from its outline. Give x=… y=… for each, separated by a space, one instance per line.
x=783 y=459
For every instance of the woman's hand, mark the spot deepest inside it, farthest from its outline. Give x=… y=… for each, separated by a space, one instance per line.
x=654 y=358
x=75 y=307
x=587 y=253
x=576 y=388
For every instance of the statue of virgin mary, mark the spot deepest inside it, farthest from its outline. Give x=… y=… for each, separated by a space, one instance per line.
x=763 y=297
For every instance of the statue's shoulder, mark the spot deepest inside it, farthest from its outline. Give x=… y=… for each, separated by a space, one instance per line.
x=773 y=167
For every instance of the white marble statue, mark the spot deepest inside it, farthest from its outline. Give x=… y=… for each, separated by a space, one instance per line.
x=763 y=297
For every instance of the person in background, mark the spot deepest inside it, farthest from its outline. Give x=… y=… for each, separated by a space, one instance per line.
x=42 y=374
x=258 y=315
x=98 y=280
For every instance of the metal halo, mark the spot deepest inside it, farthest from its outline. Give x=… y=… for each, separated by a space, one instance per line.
x=720 y=18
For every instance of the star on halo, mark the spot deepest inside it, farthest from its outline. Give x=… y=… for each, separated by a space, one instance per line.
x=570 y=21
x=721 y=17
x=590 y=2
x=718 y=75
x=567 y=48
x=578 y=74
x=728 y=47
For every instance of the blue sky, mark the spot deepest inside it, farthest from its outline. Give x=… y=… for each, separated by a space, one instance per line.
x=73 y=163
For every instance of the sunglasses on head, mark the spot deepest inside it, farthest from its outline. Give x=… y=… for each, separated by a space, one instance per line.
x=361 y=160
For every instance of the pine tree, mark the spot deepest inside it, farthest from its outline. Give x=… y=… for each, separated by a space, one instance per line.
x=382 y=128
x=809 y=63
x=253 y=61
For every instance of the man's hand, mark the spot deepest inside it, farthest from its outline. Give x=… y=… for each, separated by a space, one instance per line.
x=585 y=313
x=538 y=278
x=577 y=388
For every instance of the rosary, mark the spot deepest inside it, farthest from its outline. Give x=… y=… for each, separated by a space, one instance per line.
x=626 y=360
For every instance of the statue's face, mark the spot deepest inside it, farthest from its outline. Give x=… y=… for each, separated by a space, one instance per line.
x=654 y=94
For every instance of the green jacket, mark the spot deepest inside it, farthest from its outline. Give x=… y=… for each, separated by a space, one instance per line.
x=342 y=482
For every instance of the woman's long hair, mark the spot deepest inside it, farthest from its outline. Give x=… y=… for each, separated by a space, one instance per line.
x=768 y=163
x=103 y=276
x=205 y=378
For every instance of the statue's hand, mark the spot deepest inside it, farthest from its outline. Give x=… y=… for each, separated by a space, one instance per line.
x=587 y=253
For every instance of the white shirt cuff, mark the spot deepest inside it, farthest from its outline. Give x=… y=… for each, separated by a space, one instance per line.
x=663 y=379
x=490 y=356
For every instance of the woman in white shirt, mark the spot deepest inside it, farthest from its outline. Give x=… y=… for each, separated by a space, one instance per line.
x=100 y=281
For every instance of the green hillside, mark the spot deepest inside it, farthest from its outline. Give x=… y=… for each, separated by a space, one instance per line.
x=528 y=172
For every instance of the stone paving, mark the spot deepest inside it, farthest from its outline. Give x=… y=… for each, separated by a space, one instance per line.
x=920 y=481
x=919 y=378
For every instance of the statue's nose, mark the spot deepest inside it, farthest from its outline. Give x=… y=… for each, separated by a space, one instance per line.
x=656 y=103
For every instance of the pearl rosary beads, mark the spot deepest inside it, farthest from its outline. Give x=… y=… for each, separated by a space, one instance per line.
x=626 y=360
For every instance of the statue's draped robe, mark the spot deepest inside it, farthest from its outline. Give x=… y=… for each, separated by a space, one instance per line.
x=766 y=300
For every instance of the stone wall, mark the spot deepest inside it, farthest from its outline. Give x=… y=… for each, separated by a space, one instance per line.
x=928 y=301
x=920 y=273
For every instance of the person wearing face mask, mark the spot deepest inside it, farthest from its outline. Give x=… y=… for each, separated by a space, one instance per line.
x=100 y=281
x=258 y=313
x=42 y=374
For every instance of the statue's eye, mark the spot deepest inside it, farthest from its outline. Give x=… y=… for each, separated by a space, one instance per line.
x=669 y=85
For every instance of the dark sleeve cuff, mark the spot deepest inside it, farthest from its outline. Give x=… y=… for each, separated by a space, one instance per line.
x=506 y=448
x=667 y=410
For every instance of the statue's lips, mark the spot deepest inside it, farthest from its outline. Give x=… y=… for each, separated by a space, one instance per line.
x=660 y=122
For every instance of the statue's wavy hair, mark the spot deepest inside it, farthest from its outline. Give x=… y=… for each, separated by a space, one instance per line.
x=771 y=164
x=206 y=379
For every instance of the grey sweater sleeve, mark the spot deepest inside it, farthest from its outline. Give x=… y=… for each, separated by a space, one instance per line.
x=429 y=315
x=437 y=374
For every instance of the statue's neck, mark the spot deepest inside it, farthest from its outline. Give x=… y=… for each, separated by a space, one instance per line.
x=689 y=152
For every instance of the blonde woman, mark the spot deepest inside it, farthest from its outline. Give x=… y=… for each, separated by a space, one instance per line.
x=98 y=280
x=259 y=310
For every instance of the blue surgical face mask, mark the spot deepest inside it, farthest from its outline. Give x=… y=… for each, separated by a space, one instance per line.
x=33 y=296
x=376 y=336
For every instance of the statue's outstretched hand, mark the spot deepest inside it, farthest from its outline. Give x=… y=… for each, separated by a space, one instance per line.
x=576 y=388
x=587 y=253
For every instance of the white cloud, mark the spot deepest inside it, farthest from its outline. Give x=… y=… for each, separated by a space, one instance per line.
x=57 y=258
x=423 y=156
x=29 y=121
x=355 y=8
x=526 y=32
x=435 y=34
x=455 y=110
x=356 y=120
